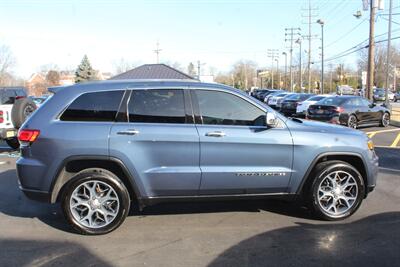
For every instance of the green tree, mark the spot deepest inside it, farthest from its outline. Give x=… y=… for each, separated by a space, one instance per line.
x=85 y=72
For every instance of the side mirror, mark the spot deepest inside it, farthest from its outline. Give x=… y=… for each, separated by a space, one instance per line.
x=271 y=119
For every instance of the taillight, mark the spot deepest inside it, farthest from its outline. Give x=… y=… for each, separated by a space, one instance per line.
x=339 y=109
x=1 y=116
x=19 y=97
x=28 y=135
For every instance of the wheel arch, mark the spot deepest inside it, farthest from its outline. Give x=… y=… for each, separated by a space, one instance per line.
x=73 y=165
x=354 y=159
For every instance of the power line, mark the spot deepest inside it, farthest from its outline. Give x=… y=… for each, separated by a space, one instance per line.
x=346 y=34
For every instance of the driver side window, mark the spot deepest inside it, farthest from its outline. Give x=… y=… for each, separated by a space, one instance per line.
x=220 y=108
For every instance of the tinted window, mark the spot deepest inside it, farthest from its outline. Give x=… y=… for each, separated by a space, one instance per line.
x=298 y=97
x=98 y=106
x=334 y=101
x=226 y=109
x=157 y=106
x=8 y=97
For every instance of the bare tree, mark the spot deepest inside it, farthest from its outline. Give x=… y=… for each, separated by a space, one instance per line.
x=7 y=61
x=122 y=65
x=53 y=78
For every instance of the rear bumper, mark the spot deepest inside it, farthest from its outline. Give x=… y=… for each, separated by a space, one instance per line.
x=36 y=195
x=288 y=111
x=8 y=133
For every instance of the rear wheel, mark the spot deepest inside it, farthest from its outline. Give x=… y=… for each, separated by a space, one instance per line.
x=337 y=190
x=385 y=120
x=352 y=122
x=95 y=202
x=13 y=143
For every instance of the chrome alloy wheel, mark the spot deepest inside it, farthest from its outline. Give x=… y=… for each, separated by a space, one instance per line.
x=337 y=193
x=386 y=119
x=352 y=123
x=94 y=204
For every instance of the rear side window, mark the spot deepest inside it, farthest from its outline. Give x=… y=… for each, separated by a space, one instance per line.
x=157 y=106
x=221 y=108
x=97 y=106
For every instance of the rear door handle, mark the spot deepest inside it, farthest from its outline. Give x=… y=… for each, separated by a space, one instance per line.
x=128 y=132
x=216 y=134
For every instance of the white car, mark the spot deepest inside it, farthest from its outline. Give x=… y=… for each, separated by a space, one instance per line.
x=15 y=107
x=302 y=107
x=273 y=101
x=391 y=96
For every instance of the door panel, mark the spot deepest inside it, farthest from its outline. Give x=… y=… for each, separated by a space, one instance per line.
x=159 y=143
x=238 y=153
x=245 y=160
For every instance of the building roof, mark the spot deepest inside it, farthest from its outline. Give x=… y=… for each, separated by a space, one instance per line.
x=153 y=71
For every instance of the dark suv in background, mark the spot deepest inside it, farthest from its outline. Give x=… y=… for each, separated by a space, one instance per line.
x=98 y=147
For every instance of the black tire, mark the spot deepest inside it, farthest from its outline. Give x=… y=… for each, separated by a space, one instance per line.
x=13 y=143
x=104 y=176
x=21 y=110
x=385 y=120
x=318 y=175
x=352 y=122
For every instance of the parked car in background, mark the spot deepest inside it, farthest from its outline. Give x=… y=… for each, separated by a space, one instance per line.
x=378 y=94
x=290 y=103
x=302 y=107
x=345 y=90
x=15 y=107
x=273 y=101
x=264 y=93
x=353 y=111
x=272 y=93
x=396 y=97
x=391 y=95
x=281 y=99
x=122 y=143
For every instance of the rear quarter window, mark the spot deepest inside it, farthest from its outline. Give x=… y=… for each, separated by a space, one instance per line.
x=96 y=106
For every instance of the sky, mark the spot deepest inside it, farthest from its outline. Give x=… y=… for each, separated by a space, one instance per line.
x=218 y=33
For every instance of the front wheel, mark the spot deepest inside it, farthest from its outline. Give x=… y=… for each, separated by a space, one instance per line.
x=385 y=120
x=337 y=190
x=95 y=202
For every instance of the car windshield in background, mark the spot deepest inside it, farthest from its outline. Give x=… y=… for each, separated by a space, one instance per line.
x=316 y=98
x=279 y=95
x=332 y=101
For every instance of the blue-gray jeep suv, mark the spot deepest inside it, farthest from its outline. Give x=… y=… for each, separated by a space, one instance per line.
x=98 y=147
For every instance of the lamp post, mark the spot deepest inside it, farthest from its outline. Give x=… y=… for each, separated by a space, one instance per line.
x=285 y=79
x=298 y=41
x=321 y=22
x=277 y=71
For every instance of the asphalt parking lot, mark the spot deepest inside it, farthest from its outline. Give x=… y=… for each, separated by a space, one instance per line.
x=238 y=233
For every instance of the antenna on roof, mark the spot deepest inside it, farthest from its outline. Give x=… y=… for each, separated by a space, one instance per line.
x=157 y=51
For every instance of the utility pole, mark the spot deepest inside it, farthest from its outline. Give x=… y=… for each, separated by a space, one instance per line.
x=157 y=51
x=285 y=78
x=389 y=49
x=290 y=36
x=310 y=17
x=199 y=64
x=299 y=41
x=272 y=54
x=371 y=50
x=322 y=23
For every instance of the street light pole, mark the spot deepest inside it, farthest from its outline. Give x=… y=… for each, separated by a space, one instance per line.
x=321 y=22
x=285 y=79
x=277 y=71
x=300 y=66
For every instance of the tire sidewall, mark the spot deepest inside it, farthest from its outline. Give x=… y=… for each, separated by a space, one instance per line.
x=17 y=112
x=348 y=121
x=321 y=175
x=382 y=121
x=107 y=178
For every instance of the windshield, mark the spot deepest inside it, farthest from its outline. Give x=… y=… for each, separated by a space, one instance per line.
x=298 y=97
x=332 y=101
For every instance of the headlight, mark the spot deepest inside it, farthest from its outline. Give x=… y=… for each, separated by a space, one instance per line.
x=370 y=145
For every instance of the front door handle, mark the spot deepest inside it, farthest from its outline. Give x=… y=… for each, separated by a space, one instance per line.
x=216 y=134
x=128 y=132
